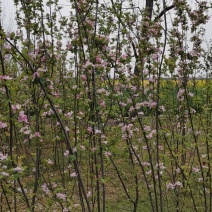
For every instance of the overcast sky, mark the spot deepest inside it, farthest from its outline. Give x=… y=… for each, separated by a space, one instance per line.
x=9 y=24
x=8 y=15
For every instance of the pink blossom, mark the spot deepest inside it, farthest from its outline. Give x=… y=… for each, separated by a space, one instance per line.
x=69 y=46
x=5 y=77
x=192 y=110
x=45 y=188
x=3 y=156
x=131 y=109
x=162 y=108
x=57 y=56
x=194 y=53
x=58 y=124
x=200 y=179
x=93 y=149
x=108 y=154
x=56 y=94
x=50 y=162
x=145 y=163
x=104 y=37
x=134 y=88
x=103 y=136
x=177 y=170
x=180 y=94
x=74 y=174
x=146 y=71
x=170 y=186
x=82 y=147
x=44 y=114
x=138 y=106
x=161 y=166
x=25 y=78
x=178 y=184
x=35 y=75
x=89 y=129
x=98 y=131
x=124 y=56
x=69 y=114
x=91 y=23
x=2 y=125
x=174 y=185
x=22 y=117
x=32 y=55
x=18 y=169
x=152 y=80
x=160 y=147
x=195 y=169
x=74 y=149
x=16 y=107
x=152 y=104
x=149 y=136
x=76 y=205
x=66 y=153
x=89 y=194
x=61 y=196
x=147 y=128
x=153 y=132
x=37 y=135
x=7 y=46
x=104 y=142
x=88 y=65
x=4 y=174
x=191 y=94
x=102 y=103
x=54 y=185
x=146 y=23
x=149 y=104
x=102 y=90
x=197 y=133
x=67 y=129
x=141 y=113
x=144 y=147
x=81 y=113
x=84 y=77
x=155 y=56
x=149 y=172
x=42 y=70
x=25 y=130
x=98 y=59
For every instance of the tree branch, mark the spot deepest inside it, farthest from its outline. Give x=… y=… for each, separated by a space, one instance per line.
x=164 y=11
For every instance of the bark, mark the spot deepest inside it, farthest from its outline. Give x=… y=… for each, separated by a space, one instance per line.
x=149 y=8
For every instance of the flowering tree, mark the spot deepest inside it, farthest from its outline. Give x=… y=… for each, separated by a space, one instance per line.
x=87 y=116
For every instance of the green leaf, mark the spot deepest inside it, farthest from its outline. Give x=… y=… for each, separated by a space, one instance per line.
x=43 y=81
x=103 y=180
x=72 y=157
x=16 y=176
x=12 y=35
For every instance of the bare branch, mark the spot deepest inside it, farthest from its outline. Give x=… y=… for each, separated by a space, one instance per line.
x=164 y=11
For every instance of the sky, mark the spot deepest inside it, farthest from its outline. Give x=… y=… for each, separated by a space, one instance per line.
x=8 y=16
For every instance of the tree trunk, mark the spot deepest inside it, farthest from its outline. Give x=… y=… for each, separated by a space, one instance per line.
x=149 y=8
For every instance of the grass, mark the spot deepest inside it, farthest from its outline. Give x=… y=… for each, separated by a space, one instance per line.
x=116 y=198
